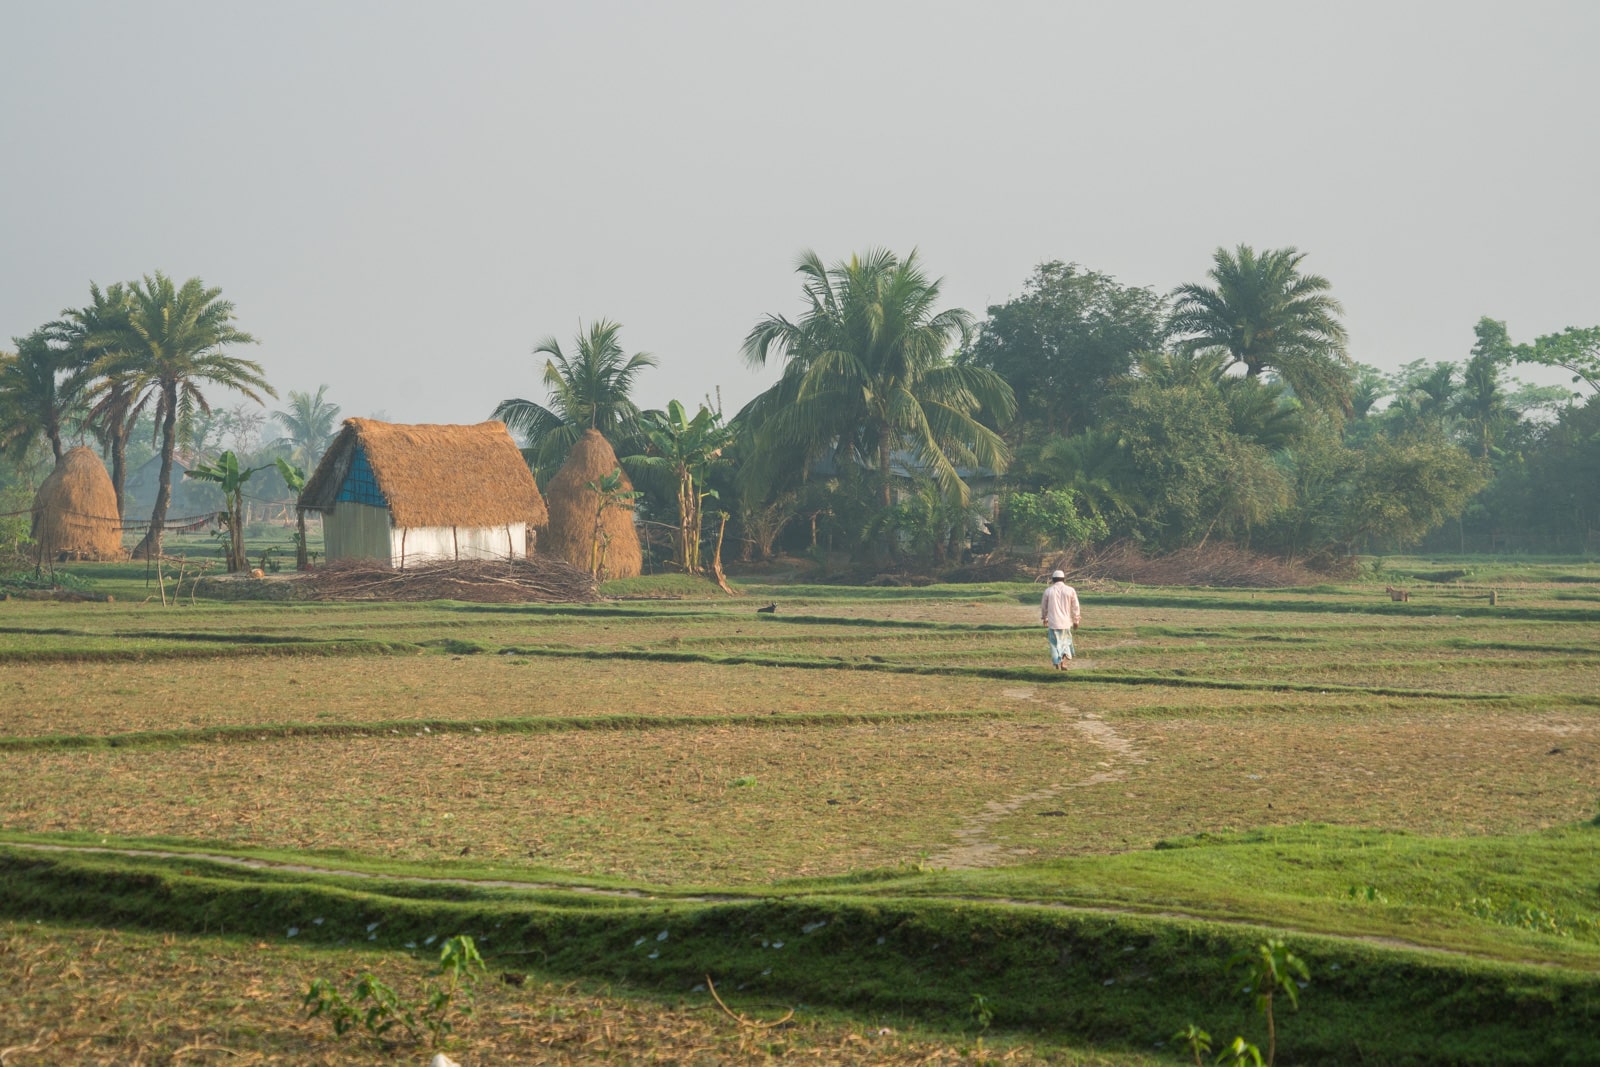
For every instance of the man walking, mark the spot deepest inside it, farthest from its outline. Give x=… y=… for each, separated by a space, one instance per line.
x=1060 y=613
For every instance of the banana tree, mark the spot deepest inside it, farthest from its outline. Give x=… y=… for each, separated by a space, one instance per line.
x=683 y=450
x=227 y=474
x=610 y=492
x=295 y=479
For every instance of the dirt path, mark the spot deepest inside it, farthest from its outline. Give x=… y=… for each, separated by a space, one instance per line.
x=973 y=846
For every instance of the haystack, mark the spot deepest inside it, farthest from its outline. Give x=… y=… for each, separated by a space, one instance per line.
x=572 y=507
x=75 y=511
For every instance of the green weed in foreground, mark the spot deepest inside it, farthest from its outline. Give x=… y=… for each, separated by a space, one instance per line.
x=378 y=1009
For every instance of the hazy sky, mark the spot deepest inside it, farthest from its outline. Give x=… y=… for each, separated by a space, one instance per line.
x=403 y=198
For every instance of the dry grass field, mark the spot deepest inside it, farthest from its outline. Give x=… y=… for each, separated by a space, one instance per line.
x=1174 y=720
x=696 y=743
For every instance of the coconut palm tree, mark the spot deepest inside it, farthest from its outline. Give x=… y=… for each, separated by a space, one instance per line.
x=308 y=425
x=174 y=340
x=86 y=332
x=588 y=390
x=38 y=393
x=1265 y=314
x=867 y=374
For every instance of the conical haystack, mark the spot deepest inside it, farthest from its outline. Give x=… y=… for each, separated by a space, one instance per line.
x=572 y=507
x=75 y=511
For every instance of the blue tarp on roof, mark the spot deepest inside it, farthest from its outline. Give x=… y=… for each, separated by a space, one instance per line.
x=360 y=485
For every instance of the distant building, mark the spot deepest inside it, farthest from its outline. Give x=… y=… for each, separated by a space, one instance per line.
x=190 y=498
x=422 y=493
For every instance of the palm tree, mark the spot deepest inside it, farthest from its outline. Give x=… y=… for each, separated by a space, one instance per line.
x=1097 y=468
x=867 y=374
x=1481 y=405
x=1265 y=314
x=308 y=425
x=174 y=339
x=86 y=332
x=38 y=393
x=589 y=390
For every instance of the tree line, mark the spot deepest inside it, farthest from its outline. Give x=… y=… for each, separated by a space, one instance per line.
x=905 y=433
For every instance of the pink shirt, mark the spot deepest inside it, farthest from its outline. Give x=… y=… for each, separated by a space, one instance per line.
x=1059 y=608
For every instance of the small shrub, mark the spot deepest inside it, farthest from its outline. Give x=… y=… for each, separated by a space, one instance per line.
x=377 y=1009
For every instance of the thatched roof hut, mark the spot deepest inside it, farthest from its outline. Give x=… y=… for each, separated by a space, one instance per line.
x=572 y=512
x=75 y=511
x=423 y=492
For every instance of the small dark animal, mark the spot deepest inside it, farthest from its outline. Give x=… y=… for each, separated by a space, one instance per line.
x=1397 y=594
x=770 y=609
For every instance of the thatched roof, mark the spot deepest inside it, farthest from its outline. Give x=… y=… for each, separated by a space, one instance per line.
x=75 y=510
x=572 y=512
x=433 y=475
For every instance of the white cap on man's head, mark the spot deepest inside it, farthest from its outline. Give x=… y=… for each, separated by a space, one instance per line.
x=1058 y=574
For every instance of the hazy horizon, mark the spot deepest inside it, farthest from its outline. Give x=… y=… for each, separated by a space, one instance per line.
x=403 y=199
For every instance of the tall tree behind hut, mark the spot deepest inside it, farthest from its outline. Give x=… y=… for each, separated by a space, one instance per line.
x=89 y=333
x=867 y=373
x=174 y=340
x=575 y=504
x=589 y=390
x=308 y=425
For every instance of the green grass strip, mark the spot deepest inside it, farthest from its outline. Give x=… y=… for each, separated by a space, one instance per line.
x=1414 y=609
x=1035 y=675
x=1116 y=979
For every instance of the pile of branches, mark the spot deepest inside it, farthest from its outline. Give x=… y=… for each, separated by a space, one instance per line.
x=537 y=579
x=1220 y=565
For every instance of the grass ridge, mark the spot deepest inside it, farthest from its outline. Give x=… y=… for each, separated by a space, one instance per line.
x=1118 y=978
x=521 y=725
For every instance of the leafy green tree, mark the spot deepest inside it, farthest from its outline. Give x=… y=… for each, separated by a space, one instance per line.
x=682 y=450
x=1265 y=314
x=1407 y=487
x=1050 y=520
x=1320 y=469
x=230 y=477
x=39 y=396
x=308 y=425
x=175 y=340
x=1201 y=469
x=926 y=524
x=1063 y=343
x=1097 y=468
x=1575 y=349
x=867 y=375
x=591 y=389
